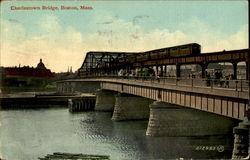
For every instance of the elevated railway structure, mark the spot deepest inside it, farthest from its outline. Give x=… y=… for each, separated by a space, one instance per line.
x=113 y=62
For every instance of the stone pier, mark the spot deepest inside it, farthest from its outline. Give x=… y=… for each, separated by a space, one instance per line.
x=130 y=107
x=241 y=140
x=172 y=120
x=105 y=100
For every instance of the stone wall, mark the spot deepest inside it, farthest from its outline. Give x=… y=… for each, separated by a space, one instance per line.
x=70 y=87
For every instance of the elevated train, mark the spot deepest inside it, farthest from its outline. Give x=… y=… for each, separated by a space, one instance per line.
x=191 y=49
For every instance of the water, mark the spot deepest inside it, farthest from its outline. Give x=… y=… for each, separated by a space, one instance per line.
x=29 y=134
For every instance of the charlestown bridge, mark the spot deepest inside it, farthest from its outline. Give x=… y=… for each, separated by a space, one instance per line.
x=137 y=86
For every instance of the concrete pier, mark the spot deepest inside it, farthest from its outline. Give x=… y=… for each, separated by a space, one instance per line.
x=105 y=100
x=172 y=120
x=129 y=107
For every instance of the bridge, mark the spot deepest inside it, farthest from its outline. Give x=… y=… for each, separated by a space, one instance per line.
x=175 y=106
x=192 y=93
x=220 y=96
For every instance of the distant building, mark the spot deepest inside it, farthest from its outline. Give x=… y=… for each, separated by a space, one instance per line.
x=39 y=71
x=26 y=76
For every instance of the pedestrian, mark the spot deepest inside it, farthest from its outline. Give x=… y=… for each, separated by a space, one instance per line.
x=158 y=78
x=208 y=78
x=227 y=82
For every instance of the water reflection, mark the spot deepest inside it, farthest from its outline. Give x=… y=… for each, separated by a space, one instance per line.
x=28 y=134
x=188 y=147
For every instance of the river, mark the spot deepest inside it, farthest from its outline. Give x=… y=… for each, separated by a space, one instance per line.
x=29 y=134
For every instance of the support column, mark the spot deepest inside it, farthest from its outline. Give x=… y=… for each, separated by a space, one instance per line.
x=105 y=100
x=203 y=70
x=172 y=120
x=234 y=70
x=157 y=70
x=166 y=67
x=178 y=70
x=128 y=70
x=141 y=71
x=161 y=70
x=247 y=70
x=129 y=107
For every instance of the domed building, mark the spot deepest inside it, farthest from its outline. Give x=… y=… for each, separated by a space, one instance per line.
x=26 y=77
x=40 y=65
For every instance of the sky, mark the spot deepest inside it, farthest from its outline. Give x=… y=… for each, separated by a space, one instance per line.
x=63 y=37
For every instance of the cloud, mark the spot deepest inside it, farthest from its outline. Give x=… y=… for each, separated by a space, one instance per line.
x=61 y=46
x=213 y=40
x=238 y=40
x=57 y=48
x=12 y=31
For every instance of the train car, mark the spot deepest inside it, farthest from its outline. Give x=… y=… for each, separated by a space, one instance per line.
x=142 y=56
x=122 y=59
x=163 y=53
x=176 y=51
x=185 y=50
x=131 y=58
x=159 y=53
x=154 y=54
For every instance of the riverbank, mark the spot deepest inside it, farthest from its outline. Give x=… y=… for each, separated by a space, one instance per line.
x=36 y=100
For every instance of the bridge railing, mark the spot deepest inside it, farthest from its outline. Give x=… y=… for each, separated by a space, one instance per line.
x=237 y=85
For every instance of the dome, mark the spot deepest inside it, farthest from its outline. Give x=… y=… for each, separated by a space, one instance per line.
x=40 y=65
